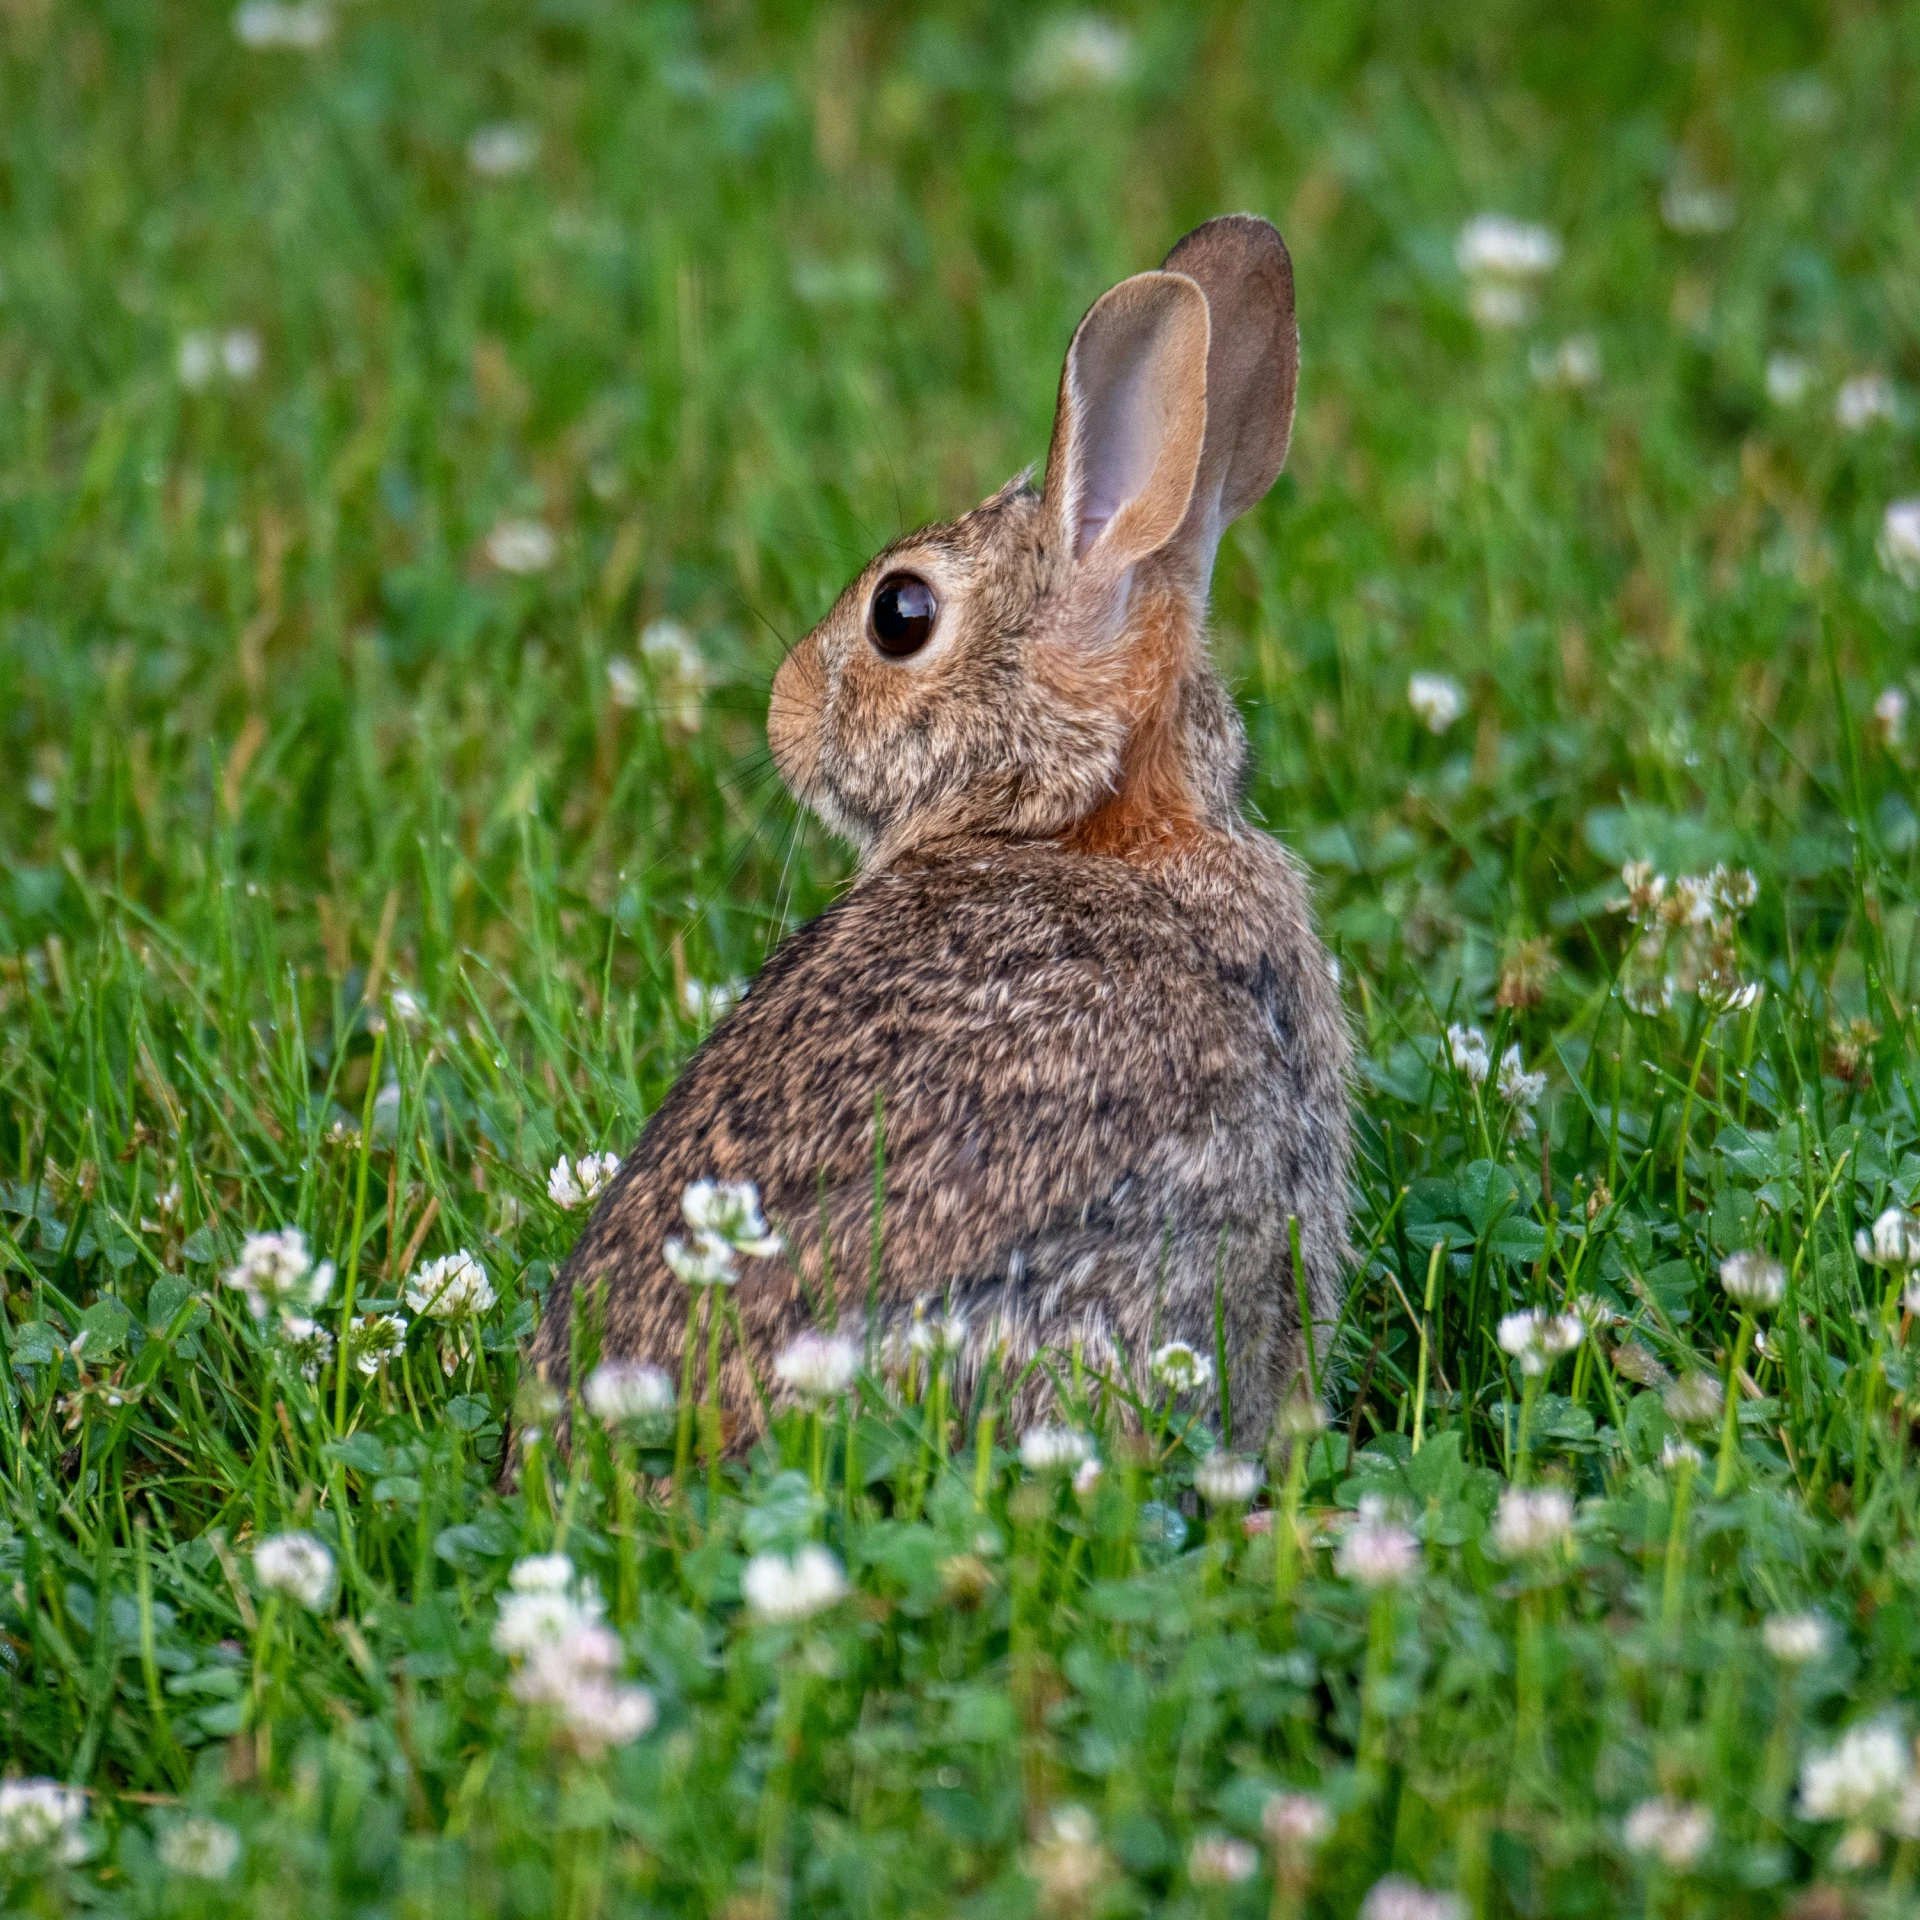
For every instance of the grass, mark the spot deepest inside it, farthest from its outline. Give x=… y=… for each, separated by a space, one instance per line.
x=349 y=879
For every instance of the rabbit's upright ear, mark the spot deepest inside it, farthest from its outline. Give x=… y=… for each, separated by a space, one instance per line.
x=1253 y=364
x=1131 y=423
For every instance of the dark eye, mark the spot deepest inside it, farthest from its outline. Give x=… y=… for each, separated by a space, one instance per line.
x=904 y=611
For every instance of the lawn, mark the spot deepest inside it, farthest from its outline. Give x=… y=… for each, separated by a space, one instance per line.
x=421 y=428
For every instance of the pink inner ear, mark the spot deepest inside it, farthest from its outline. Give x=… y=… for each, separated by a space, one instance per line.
x=1120 y=443
x=1120 y=422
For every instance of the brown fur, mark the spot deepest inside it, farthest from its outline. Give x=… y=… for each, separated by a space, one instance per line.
x=1089 y=995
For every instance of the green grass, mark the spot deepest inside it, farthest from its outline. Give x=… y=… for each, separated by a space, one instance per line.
x=277 y=740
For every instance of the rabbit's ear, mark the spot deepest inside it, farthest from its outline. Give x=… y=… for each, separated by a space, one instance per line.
x=1131 y=421
x=1253 y=364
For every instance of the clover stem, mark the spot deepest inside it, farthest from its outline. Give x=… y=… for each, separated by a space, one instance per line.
x=1729 y=1423
x=1686 y=1120
x=710 y=1427
x=1674 y=1582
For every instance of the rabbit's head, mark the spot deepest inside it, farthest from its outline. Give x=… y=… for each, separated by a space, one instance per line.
x=1037 y=667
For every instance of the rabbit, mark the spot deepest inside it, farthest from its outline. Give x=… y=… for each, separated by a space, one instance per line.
x=1082 y=997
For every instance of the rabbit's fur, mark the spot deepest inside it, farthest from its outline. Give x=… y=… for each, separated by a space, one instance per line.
x=1105 y=1038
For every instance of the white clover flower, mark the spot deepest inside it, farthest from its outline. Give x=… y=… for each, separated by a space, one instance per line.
x=549 y=1624
x=1894 y=1241
x=1794 y=1639
x=1676 y=1454
x=240 y=354
x=308 y=1344
x=729 y=1211
x=1890 y=704
x=297 y=1565
x=778 y=1589
x=527 y=1621
x=522 y=546
x=1437 y=699
x=1536 y=1338
x=1561 y=1333
x=1226 y=1479
x=1723 y=997
x=1302 y=1417
x=705 y=1261
x=1221 y=1860
x=1899 y=543
x=406 y=1005
x=668 y=647
x=1734 y=889
x=1690 y=902
x=578 y=1183
x=1753 y=1279
x=571 y=1674
x=1045 y=1449
x=1864 y=400
x=506 y=147
x=1518 y=1087
x=1078 y=53
x=680 y=674
x=1674 y=1832
x=599 y=1714
x=269 y=24
x=1180 y=1368
x=1467 y=1049
x=42 y=1816
x=275 y=1270
x=1086 y=1479
x=1646 y=889
x=374 y=1339
x=937 y=1336
x=1398 y=1898
x=1694 y=1400
x=199 y=1848
x=1862 y=1779
x=1689 y=207
x=1532 y=1523
x=546 y=1602
x=1074 y=1822
x=1494 y=245
x=1069 y=1862
x=1375 y=1551
x=708 y=1002
x=1788 y=378
x=818 y=1367
x=623 y=682
x=617 y=1391
x=1574 y=364
x=541 y=1573
x=1592 y=1312
x=1295 y=1823
x=454 y=1287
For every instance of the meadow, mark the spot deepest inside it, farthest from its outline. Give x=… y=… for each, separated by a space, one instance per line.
x=422 y=425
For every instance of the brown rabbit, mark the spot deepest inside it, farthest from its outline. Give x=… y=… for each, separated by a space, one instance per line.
x=1106 y=1039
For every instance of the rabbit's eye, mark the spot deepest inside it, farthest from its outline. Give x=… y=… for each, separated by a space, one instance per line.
x=903 y=614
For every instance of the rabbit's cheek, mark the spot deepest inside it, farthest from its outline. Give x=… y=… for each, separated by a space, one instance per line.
x=795 y=713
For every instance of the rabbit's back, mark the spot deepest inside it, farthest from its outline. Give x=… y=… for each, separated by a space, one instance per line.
x=1101 y=1086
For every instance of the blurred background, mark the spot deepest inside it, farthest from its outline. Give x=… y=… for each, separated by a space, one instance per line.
x=422 y=425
